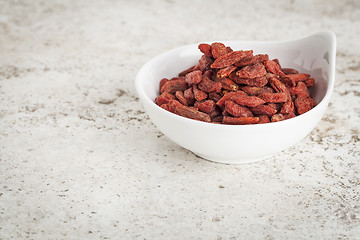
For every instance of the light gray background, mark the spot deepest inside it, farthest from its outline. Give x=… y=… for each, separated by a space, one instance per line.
x=79 y=158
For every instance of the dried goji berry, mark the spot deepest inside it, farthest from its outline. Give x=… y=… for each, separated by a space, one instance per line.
x=277 y=62
x=289 y=115
x=215 y=113
x=289 y=70
x=174 y=85
x=227 y=84
x=206 y=106
x=205 y=49
x=288 y=107
x=198 y=94
x=229 y=49
x=297 y=77
x=240 y=120
x=208 y=74
x=300 y=90
x=193 y=77
x=230 y=96
x=236 y=110
x=249 y=101
x=230 y=58
x=218 y=50
x=205 y=62
x=254 y=91
x=180 y=96
x=253 y=71
x=304 y=104
x=214 y=96
x=261 y=58
x=263 y=110
x=163 y=81
x=277 y=85
x=276 y=106
x=263 y=119
x=207 y=85
x=217 y=119
x=273 y=97
x=165 y=97
x=277 y=117
x=273 y=67
x=166 y=106
x=189 y=96
x=188 y=112
x=288 y=81
x=224 y=72
x=310 y=82
x=256 y=82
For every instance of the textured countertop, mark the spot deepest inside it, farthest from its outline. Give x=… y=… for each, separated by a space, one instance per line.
x=79 y=158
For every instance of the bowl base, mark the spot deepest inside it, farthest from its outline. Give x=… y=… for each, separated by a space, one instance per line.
x=230 y=161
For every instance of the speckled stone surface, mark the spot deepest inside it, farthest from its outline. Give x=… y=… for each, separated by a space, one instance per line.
x=79 y=158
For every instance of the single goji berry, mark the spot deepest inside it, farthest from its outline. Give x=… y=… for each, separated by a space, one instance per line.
x=289 y=115
x=206 y=106
x=205 y=62
x=218 y=50
x=207 y=85
x=224 y=72
x=198 y=94
x=297 y=77
x=164 y=98
x=189 y=96
x=205 y=49
x=166 y=106
x=310 y=82
x=214 y=96
x=163 y=81
x=277 y=117
x=227 y=84
x=304 y=104
x=255 y=82
x=180 y=96
x=255 y=91
x=273 y=97
x=193 y=77
x=300 y=90
x=263 y=110
x=229 y=49
x=230 y=96
x=236 y=110
x=263 y=119
x=217 y=119
x=277 y=85
x=179 y=84
x=288 y=81
x=273 y=67
x=253 y=71
x=249 y=101
x=188 y=112
x=288 y=107
x=240 y=120
x=289 y=70
x=215 y=113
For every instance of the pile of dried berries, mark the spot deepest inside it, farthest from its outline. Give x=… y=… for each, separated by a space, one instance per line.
x=236 y=87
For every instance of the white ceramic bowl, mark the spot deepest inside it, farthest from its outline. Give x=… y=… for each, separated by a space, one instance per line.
x=314 y=54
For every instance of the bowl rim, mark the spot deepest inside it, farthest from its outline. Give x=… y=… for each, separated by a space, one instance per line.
x=324 y=101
